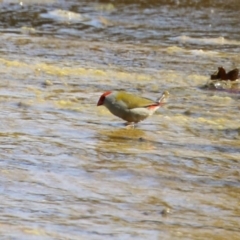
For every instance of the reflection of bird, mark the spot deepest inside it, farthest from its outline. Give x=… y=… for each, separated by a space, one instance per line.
x=222 y=75
x=130 y=107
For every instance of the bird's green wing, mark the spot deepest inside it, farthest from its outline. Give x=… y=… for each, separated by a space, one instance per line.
x=132 y=100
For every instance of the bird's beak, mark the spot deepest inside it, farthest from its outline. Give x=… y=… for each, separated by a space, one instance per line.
x=100 y=102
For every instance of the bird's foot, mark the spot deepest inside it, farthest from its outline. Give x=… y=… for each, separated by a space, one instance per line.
x=129 y=125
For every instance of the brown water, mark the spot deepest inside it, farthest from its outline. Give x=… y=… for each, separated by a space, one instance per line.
x=70 y=170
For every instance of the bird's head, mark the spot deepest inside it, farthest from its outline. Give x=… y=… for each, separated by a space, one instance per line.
x=102 y=98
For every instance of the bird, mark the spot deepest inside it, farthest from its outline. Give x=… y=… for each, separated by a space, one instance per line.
x=130 y=107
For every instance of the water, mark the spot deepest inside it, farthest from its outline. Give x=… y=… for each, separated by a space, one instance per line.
x=71 y=170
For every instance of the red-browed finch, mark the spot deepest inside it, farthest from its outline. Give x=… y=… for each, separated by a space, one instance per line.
x=130 y=107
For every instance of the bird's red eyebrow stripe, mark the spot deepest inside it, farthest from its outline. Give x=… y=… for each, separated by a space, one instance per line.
x=106 y=93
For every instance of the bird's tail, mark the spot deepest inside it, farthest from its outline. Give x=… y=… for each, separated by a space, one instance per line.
x=163 y=98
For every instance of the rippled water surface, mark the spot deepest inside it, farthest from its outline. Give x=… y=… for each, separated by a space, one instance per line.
x=71 y=170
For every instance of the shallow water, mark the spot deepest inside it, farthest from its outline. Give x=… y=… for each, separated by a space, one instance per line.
x=70 y=170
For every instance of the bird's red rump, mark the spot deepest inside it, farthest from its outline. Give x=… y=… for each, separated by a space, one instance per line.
x=153 y=106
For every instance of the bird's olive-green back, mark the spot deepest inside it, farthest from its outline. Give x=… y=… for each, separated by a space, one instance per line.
x=132 y=100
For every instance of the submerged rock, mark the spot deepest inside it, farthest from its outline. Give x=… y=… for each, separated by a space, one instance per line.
x=222 y=75
x=223 y=81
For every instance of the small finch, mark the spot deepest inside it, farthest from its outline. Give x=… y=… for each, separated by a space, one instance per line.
x=130 y=107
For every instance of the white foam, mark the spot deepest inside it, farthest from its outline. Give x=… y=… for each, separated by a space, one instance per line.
x=63 y=16
x=205 y=41
x=72 y=17
x=196 y=52
x=200 y=52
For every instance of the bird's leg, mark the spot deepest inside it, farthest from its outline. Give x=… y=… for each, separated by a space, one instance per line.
x=129 y=125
